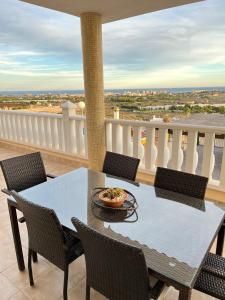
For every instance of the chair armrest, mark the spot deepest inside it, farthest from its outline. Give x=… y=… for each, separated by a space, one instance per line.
x=51 y=176
x=7 y=192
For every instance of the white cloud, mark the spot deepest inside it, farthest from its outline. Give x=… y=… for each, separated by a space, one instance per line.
x=181 y=46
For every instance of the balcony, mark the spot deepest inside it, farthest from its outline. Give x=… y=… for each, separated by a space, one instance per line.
x=68 y=141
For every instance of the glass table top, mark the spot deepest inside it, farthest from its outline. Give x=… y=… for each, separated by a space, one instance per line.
x=174 y=231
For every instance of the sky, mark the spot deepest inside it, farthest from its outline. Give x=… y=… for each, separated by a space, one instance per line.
x=40 y=49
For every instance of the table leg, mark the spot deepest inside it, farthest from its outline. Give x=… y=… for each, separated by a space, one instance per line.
x=16 y=236
x=220 y=241
x=35 y=258
x=185 y=294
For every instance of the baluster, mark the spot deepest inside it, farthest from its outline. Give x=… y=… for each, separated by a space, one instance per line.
x=47 y=132
x=191 y=152
x=73 y=136
x=1 y=128
x=61 y=134
x=39 y=129
x=82 y=130
x=35 y=130
x=4 y=126
x=29 y=130
x=127 y=143
x=117 y=138
x=85 y=140
x=109 y=136
x=20 y=126
x=137 y=151
x=163 y=150
x=80 y=137
x=177 y=152
x=7 y=127
x=23 y=127
x=54 y=135
x=150 y=150
x=14 y=131
x=222 y=172
x=208 y=155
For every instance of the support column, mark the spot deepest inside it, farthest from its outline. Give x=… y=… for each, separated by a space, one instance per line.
x=91 y=30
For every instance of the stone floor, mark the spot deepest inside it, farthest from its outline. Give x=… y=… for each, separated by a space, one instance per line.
x=48 y=279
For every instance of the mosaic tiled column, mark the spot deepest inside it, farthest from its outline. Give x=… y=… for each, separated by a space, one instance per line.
x=91 y=29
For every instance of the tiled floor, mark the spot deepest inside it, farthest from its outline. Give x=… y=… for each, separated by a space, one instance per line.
x=48 y=279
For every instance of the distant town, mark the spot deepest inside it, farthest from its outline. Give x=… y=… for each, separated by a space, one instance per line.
x=131 y=104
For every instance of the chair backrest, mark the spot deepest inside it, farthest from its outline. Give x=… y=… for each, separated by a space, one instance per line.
x=121 y=165
x=181 y=182
x=116 y=270
x=45 y=232
x=23 y=172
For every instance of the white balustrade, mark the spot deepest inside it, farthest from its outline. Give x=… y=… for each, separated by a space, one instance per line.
x=150 y=150
x=191 y=152
x=208 y=155
x=117 y=137
x=148 y=141
x=177 y=152
x=163 y=150
x=108 y=136
x=127 y=142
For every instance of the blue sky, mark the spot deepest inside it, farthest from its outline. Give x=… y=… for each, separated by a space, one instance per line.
x=181 y=47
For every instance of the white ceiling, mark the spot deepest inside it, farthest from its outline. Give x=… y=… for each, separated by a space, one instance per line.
x=111 y=10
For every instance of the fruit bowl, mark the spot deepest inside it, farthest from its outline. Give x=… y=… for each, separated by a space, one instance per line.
x=113 y=197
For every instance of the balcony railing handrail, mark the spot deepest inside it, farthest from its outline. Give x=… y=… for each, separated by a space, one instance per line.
x=29 y=113
x=183 y=126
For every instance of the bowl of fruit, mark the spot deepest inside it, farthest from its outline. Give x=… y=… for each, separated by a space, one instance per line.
x=113 y=197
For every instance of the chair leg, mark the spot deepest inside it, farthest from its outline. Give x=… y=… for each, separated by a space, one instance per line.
x=87 y=292
x=30 y=267
x=35 y=258
x=220 y=241
x=65 y=285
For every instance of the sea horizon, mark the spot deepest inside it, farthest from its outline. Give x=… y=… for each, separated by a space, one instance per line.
x=119 y=91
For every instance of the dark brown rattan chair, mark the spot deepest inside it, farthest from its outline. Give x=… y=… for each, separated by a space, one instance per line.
x=120 y=165
x=211 y=279
x=47 y=237
x=181 y=182
x=116 y=270
x=23 y=172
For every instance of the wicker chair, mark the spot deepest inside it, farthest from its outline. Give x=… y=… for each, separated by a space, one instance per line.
x=181 y=182
x=47 y=237
x=116 y=270
x=121 y=165
x=23 y=172
x=211 y=279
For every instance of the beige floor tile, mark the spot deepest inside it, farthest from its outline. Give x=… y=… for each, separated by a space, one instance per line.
x=21 y=279
x=19 y=296
x=7 y=289
x=48 y=286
